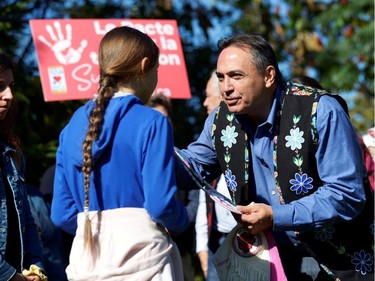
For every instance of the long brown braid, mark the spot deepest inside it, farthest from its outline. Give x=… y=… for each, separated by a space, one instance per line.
x=106 y=90
x=120 y=53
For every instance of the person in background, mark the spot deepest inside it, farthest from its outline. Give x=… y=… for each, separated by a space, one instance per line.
x=20 y=252
x=115 y=181
x=213 y=221
x=46 y=188
x=50 y=236
x=213 y=95
x=186 y=240
x=292 y=164
x=162 y=104
x=369 y=141
x=46 y=183
x=366 y=154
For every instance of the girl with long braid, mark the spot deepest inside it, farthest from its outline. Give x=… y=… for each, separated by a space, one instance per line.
x=114 y=180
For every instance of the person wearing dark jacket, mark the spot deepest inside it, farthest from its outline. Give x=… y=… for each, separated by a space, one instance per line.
x=20 y=246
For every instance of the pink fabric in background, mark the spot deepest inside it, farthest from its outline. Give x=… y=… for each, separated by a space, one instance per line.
x=369 y=162
x=277 y=270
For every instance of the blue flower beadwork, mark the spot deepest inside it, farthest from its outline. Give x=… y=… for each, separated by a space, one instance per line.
x=363 y=262
x=301 y=183
x=230 y=180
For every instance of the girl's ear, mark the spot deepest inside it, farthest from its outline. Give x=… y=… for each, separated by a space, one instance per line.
x=145 y=62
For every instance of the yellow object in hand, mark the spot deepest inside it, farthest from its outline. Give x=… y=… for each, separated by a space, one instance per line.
x=35 y=270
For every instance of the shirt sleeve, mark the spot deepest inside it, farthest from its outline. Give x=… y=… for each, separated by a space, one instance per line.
x=201 y=227
x=159 y=181
x=201 y=154
x=339 y=164
x=63 y=208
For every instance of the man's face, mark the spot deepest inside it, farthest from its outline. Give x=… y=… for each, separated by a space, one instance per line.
x=213 y=96
x=6 y=95
x=244 y=89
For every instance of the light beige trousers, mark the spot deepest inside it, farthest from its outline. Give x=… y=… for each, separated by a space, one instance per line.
x=128 y=246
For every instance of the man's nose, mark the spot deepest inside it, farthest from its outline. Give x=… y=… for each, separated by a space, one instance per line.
x=227 y=86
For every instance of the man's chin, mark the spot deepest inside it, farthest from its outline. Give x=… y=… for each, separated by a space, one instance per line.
x=234 y=109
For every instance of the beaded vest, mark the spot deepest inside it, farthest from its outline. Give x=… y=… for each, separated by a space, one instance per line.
x=342 y=246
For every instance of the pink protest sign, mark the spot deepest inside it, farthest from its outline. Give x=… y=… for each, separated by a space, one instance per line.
x=67 y=53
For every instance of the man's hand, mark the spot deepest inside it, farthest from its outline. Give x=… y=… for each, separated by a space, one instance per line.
x=256 y=217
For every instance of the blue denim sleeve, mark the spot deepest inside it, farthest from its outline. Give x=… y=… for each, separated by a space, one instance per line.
x=6 y=270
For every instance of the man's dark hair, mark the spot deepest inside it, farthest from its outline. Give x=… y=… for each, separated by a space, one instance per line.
x=261 y=52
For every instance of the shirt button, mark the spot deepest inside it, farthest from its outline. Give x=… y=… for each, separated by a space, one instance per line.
x=273 y=192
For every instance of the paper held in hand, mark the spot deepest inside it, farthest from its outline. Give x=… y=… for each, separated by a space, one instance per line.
x=215 y=195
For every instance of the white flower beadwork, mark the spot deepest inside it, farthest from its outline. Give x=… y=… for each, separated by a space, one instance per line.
x=295 y=139
x=229 y=136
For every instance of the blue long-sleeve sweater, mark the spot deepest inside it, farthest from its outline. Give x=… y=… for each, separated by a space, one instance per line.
x=133 y=166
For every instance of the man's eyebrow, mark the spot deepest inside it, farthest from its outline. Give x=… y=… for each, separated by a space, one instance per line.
x=234 y=72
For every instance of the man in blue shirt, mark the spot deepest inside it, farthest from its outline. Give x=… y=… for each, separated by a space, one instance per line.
x=325 y=185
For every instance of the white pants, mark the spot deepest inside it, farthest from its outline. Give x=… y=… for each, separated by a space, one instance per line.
x=128 y=246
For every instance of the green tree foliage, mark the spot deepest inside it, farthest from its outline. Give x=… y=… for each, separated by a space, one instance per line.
x=332 y=41
x=349 y=29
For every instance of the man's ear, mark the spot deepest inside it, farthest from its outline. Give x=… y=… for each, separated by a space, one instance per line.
x=145 y=62
x=269 y=76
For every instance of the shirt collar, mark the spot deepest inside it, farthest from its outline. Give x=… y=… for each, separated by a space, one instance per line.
x=272 y=116
x=116 y=95
x=269 y=124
